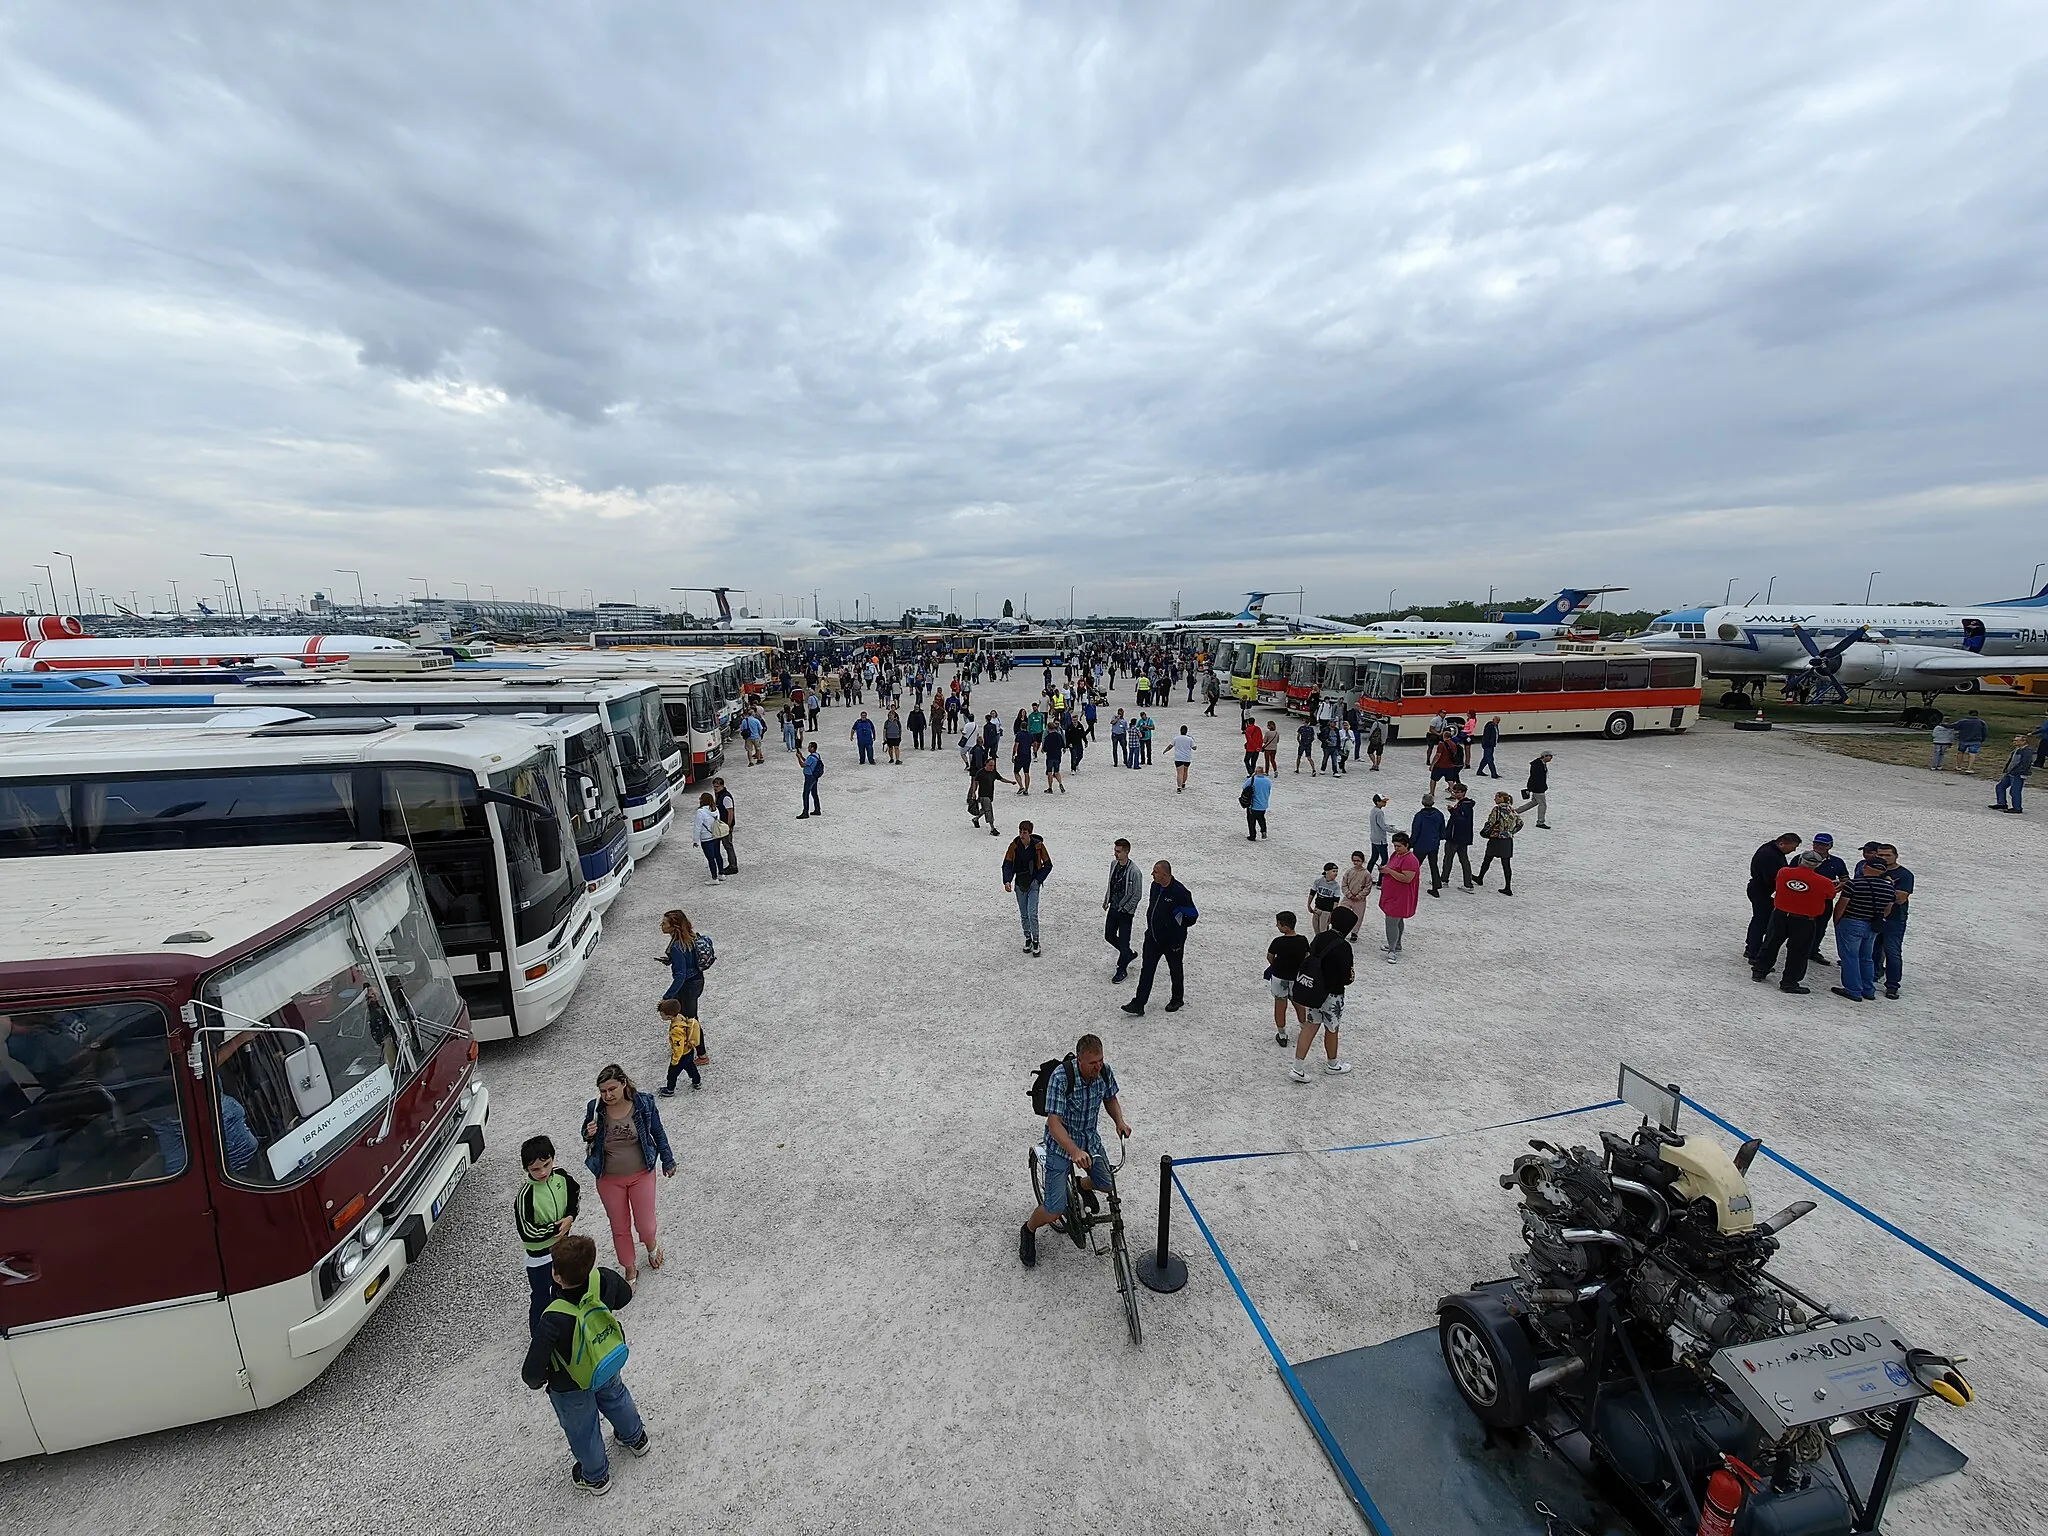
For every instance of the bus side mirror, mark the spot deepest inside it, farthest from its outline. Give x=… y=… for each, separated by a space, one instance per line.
x=548 y=834
x=589 y=798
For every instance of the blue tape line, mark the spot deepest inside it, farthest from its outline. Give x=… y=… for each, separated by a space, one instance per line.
x=1345 y=1471
x=1947 y=1263
x=1405 y=1141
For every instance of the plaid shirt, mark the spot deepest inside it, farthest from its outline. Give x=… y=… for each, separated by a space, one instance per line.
x=1077 y=1102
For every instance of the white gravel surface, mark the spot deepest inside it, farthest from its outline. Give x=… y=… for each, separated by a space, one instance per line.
x=843 y=1339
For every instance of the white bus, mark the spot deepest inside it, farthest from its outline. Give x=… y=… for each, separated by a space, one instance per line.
x=479 y=802
x=700 y=691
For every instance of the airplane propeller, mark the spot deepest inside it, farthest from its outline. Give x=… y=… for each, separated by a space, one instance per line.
x=1824 y=665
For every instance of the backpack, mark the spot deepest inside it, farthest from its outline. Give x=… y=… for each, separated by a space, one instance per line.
x=1244 y=796
x=597 y=1342
x=1041 y=1082
x=707 y=954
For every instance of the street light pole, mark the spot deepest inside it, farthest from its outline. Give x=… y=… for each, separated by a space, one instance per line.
x=234 y=571
x=53 y=587
x=76 y=606
x=1870 y=584
x=344 y=571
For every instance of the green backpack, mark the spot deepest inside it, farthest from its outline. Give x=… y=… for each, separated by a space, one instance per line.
x=597 y=1345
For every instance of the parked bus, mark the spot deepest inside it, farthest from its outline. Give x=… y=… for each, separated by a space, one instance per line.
x=1608 y=687
x=687 y=686
x=237 y=1091
x=1259 y=672
x=645 y=758
x=478 y=801
x=1025 y=650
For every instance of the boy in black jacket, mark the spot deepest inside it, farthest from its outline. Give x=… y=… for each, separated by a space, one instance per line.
x=544 y=1210
x=576 y=1408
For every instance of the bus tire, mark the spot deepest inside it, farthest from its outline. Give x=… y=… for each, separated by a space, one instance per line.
x=1620 y=726
x=1734 y=700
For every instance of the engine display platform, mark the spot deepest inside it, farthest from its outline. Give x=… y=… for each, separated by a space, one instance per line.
x=1434 y=1469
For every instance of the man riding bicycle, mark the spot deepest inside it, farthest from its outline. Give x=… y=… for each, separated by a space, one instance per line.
x=1078 y=1090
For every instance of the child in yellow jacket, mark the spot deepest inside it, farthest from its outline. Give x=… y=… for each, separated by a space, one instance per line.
x=685 y=1034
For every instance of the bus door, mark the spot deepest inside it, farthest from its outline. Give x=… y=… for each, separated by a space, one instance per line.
x=437 y=812
x=110 y=1275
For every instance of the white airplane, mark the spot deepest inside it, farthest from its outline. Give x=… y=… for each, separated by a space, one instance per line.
x=807 y=628
x=1550 y=622
x=1823 y=650
x=1254 y=616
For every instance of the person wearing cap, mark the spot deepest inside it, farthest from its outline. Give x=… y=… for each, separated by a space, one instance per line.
x=1381 y=833
x=2018 y=765
x=1827 y=862
x=1801 y=894
x=1860 y=912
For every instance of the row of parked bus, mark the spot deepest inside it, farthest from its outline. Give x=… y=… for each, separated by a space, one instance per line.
x=255 y=931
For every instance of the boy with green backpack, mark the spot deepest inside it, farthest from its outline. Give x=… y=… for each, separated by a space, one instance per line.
x=578 y=1353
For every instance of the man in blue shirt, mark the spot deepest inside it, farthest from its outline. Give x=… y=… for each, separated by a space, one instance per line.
x=1081 y=1087
x=1425 y=840
x=1825 y=861
x=863 y=733
x=814 y=770
x=1970 y=733
x=1261 y=790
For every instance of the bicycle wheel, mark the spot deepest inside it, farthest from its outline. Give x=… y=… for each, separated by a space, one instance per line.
x=1126 y=1282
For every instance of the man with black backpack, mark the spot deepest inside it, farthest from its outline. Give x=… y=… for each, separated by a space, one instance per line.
x=1071 y=1094
x=1319 y=987
x=577 y=1353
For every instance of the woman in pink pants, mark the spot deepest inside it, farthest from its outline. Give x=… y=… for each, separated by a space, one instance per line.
x=624 y=1141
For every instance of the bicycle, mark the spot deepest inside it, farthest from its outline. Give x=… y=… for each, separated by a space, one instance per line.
x=1078 y=1223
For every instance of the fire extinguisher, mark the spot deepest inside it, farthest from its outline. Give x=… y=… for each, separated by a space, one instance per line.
x=1725 y=1493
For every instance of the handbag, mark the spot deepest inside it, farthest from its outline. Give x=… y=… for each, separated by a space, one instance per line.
x=720 y=829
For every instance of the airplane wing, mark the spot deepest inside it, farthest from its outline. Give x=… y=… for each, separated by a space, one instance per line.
x=1970 y=664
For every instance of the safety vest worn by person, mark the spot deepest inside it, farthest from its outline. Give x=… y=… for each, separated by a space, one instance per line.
x=597 y=1340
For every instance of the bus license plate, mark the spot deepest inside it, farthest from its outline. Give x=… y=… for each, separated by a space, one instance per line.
x=448 y=1189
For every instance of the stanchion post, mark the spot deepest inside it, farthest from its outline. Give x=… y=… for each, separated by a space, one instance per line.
x=1163 y=1270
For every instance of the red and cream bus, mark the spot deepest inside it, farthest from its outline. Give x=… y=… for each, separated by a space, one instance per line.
x=1610 y=688
x=237 y=1088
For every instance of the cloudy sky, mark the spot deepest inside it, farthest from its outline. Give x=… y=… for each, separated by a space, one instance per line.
x=1003 y=297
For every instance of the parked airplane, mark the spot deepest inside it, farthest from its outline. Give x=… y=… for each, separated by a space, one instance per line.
x=1891 y=648
x=1549 y=622
x=1254 y=616
x=809 y=628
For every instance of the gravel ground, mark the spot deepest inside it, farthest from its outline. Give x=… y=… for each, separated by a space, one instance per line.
x=843 y=1339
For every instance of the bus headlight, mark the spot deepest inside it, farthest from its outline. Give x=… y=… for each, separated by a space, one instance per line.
x=371 y=1232
x=472 y=1088
x=348 y=1258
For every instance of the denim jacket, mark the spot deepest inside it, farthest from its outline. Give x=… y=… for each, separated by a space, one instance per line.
x=653 y=1136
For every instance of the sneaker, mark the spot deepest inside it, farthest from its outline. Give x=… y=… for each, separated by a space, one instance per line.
x=1121 y=973
x=1027 y=946
x=1176 y=1005
x=646 y=1442
x=1336 y=1068
x=1298 y=1074
x=595 y=1490
x=1393 y=957
x=667 y=1090
x=1892 y=993
x=1134 y=1008
x=1279 y=1037
x=1802 y=991
x=1027 y=1246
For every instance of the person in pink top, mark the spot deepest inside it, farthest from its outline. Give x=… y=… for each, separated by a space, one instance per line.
x=1400 y=885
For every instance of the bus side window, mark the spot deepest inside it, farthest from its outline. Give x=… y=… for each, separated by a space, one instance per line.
x=88 y=1100
x=1499 y=677
x=1414 y=683
x=1673 y=671
x=1451 y=681
x=35 y=819
x=1542 y=676
x=1628 y=674
x=1585 y=676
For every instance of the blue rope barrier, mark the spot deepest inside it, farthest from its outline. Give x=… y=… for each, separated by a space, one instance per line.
x=2032 y=1313
x=1345 y=1471
x=1404 y=1141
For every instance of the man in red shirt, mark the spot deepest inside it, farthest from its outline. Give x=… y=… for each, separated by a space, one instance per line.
x=1801 y=899
x=1254 y=742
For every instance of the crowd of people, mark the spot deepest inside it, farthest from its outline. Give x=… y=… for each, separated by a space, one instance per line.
x=1793 y=898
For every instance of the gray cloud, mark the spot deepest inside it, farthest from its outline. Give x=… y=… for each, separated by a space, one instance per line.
x=1143 y=298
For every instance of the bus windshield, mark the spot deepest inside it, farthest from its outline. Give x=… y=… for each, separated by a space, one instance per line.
x=544 y=887
x=703 y=710
x=639 y=760
x=589 y=768
x=307 y=1053
x=659 y=735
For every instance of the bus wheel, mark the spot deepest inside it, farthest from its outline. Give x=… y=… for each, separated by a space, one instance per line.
x=1620 y=726
x=1733 y=700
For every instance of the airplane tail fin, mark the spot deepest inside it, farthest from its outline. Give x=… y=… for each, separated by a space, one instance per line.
x=1255 y=605
x=724 y=604
x=2038 y=600
x=1561 y=607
